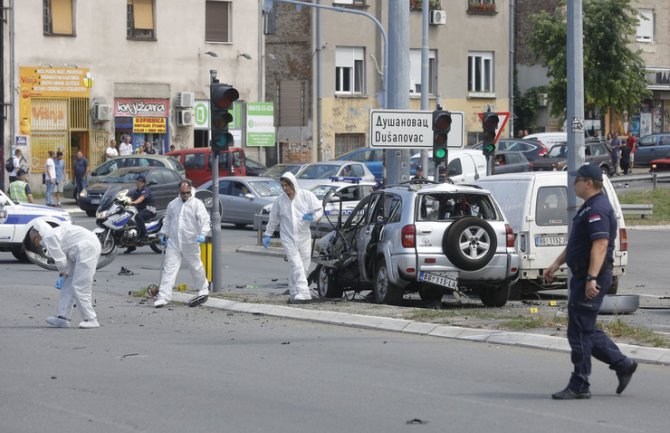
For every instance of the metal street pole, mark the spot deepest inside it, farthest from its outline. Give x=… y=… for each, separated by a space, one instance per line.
x=575 y=98
x=397 y=160
x=217 y=242
x=424 y=76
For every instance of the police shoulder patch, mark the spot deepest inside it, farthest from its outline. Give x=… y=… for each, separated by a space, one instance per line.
x=594 y=218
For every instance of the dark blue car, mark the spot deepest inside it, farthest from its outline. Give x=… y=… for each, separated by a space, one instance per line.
x=372 y=158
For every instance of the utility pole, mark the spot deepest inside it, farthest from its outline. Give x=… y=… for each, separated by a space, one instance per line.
x=397 y=160
x=425 y=9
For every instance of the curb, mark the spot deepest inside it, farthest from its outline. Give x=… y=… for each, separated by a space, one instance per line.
x=647 y=355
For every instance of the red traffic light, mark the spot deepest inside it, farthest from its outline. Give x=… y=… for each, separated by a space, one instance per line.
x=441 y=120
x=222 y=96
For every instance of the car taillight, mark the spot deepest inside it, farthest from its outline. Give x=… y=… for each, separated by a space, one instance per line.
x=408 y=236
x=510 y=236
x=623 y=239
x=543 y=150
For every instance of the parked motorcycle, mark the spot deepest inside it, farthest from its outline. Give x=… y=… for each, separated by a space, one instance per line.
x=117 y=227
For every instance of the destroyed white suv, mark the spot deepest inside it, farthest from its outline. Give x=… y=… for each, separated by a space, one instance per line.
x=421 y=237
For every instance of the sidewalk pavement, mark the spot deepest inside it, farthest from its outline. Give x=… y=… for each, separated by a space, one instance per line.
x=649 y=355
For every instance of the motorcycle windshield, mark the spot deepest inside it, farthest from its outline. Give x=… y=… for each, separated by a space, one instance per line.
x=110 y=195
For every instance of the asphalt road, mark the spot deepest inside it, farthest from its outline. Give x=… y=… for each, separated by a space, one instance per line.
x=198 y=370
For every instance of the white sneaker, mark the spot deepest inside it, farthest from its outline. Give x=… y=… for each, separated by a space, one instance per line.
x=160 y=302
x=88 y=324
x=58 y=322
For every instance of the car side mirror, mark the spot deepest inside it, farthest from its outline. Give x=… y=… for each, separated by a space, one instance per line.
x=153 y=182
x=330 y=197
x=249 y=196
x=3 y=201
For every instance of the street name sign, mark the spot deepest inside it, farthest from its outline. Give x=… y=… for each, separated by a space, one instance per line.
x=392 y=129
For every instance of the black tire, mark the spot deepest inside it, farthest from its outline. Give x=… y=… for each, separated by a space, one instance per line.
x=495 y=296
x=240 y=225
x=470 y=243
x=385 y=291
x=20 y=254
x=156 y=247
x=326 y=283
x=107 y=242
x=614 y=288
x=90 y=213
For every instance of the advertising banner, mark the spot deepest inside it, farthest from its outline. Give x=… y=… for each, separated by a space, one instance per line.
x=260 y=124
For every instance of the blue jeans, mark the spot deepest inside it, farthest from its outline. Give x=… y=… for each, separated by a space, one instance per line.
x=51 y=187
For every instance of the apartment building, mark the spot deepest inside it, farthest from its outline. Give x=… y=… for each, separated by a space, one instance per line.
x=468 y=70
x=78 y=73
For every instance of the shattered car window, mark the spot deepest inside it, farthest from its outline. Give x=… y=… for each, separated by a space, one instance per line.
x=444 y=206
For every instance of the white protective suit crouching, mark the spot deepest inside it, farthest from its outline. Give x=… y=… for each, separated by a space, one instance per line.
x=75 y=251
x=295 y=234
x=184 y=222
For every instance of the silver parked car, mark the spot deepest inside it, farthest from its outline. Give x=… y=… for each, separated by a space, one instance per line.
x=421 y=237
x=242 y=197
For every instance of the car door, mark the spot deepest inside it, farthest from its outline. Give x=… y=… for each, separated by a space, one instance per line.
x=242 y=202
x=226 y=199
x=373 y=216
x=647 y=150
x=163 y=184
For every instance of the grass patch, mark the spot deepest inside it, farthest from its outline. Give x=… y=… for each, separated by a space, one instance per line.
x=659 y=197
x=646 y=337
x=532 y=322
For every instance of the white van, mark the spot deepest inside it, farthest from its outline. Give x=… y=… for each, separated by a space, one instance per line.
x=465 y=165
x=535 y=204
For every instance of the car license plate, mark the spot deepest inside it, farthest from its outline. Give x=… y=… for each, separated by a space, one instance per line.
x=95 y=201
x=557 y=240
x=449 y=282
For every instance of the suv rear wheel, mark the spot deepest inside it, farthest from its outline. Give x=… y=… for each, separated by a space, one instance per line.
x=495 y=296
x=326 y=284
x=385 y=291
x=470 y=243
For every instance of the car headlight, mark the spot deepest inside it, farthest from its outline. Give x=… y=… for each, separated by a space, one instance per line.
x=83 y=193
x=101 y=215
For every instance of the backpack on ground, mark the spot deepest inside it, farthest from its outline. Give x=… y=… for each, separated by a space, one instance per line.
x=9 y=165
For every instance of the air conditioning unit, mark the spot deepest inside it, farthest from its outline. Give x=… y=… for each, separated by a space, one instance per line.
x=438 y=17
x=542 y=99
x=102 y=112
x=184 y=118
x=185 y=99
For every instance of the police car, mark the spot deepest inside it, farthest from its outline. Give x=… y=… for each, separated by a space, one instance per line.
x=17 y=219
x=350 y=191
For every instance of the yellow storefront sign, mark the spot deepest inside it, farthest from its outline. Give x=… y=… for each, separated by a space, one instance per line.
x=149 y=125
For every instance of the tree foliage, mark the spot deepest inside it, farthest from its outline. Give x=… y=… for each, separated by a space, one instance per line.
x=614 y=74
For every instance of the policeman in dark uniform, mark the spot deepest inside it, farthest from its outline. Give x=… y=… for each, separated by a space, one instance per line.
x=589 y=255
x=419 y=173
x=143 y=200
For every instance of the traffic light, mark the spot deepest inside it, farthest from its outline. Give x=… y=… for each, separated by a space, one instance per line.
x=441 y=127
x=222 y=97
x=490 y=125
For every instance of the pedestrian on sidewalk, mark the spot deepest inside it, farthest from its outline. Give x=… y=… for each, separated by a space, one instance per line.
x=80 y=173
x=111 y=152
x=589 y=255
x=75 y=251
x=185 y=226
x=60 y=176
x=50 y=179
x=293 y=211
x=125 y=148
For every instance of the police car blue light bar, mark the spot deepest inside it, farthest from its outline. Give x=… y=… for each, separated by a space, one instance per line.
x=345 y=179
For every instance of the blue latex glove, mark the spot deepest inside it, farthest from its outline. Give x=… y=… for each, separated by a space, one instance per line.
x=266 y=241
x=308 y=217
x=60 y=281
x=163 y=240
x=201 y=239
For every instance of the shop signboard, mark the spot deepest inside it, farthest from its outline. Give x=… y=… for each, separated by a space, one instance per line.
x=141 y=107
x=149 y=125
x=201 y=114
x=260 y=124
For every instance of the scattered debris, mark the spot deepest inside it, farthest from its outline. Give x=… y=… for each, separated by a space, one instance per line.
x=126 y=271
x=416 y=421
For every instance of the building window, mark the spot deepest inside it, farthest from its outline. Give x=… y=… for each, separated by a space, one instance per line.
x=415 y=72
x=480 y=73
x=349 y=2
x=350 y=70
x=347 y=142
x=141 y=20
x=217 y=21
x=645 y=26
x=58 y=17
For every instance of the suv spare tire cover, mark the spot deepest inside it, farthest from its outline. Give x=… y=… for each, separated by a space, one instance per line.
x=470 y=243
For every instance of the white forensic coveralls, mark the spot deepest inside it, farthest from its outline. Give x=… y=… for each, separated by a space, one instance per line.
x=184 y=222
x=75 y=251
x=295 y=234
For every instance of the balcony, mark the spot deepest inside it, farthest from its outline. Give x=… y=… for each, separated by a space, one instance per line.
x=482 y=7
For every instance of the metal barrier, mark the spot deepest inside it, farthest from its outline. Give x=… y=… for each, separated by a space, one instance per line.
x=260 y=221
x=638 y=209
x=654 y=178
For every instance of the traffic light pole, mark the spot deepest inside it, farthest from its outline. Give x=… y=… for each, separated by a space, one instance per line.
x=217 y=241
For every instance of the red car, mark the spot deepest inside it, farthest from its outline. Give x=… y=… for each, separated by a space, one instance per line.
x=661 y=164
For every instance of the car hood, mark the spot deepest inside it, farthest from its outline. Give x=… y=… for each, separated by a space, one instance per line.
x=28 y=208
x=102 y=186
